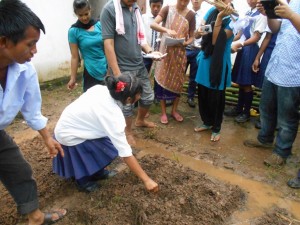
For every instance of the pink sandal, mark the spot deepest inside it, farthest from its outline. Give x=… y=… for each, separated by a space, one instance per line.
x=164 y=119
x=177 y=117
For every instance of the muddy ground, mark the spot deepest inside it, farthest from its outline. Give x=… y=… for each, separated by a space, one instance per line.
x=201 y=182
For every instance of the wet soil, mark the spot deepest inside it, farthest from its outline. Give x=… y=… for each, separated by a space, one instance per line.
x=201 y=182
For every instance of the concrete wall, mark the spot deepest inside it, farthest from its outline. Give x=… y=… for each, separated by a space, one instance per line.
x=53 y=57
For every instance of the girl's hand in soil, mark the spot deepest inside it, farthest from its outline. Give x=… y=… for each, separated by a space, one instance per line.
x=151 y=185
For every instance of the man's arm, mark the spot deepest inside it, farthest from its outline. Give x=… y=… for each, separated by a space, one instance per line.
x=284 y=11
x=53 y=146
x=111 y=57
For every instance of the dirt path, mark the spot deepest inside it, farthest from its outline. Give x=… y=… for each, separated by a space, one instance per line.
x=201 y=182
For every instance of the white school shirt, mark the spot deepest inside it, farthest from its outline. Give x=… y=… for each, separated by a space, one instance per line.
x=259 y=24
x=148 y=19
x=95 y=114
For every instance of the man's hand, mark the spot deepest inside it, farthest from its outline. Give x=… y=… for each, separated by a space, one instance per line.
x=54 y=147
x=283 y=10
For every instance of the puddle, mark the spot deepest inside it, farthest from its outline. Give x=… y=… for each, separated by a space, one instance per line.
x=260 y=196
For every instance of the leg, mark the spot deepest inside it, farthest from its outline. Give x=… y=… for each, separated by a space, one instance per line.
x=174 y=112
x=146 y=100
x=202 y=104
x=288 y=102
x=128 y=131
x=164 y=117
x=193 y=70
x=16 y=176
x=268 y=113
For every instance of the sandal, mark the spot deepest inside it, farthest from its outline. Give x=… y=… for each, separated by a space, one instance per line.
x=164 y=119
x=48 y=216
x=215 y=136
x=203 y=127
x=177 y=117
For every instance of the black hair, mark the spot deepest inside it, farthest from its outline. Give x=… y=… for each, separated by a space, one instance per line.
x=131 y=87
x=15 y=18
x=156 y=1
x=80 y=4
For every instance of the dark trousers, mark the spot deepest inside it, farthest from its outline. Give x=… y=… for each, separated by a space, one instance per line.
x=211 y=104
x=89 y=81
x=191 y=56
x=16 y=175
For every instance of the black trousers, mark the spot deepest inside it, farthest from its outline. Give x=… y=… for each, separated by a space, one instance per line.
x=16 y=175
x=211 y=104
x=89 y=81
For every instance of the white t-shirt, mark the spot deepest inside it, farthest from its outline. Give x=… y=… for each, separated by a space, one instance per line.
x=95 y=114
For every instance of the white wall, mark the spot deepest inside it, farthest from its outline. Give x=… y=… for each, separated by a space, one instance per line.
x=53 y=57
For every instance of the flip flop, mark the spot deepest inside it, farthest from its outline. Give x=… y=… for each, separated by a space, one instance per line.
x=48 y=217
x=215 y=136
x=177 y=117
x=203 y=127
x=164 y=119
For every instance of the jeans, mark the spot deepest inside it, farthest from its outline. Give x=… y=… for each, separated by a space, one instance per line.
x=16 y=175
x=279 y=106
x=191 y=60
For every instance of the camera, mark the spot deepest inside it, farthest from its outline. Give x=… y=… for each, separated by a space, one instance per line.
x=206 y=28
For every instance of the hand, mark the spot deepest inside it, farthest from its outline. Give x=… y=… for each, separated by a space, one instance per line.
x=158 y=55
x=226 y=11
x=71 y=84
x=260 y=8
x=283 y=10
x=235 y=48
x=151 y=185
x=172 y=33
x=255 y=66
x=54 y=147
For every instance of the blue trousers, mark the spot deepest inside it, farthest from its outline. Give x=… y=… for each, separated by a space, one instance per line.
x=16 y=175
x=191 y=60
x=279 y=105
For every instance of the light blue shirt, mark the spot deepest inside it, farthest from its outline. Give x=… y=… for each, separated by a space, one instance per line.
x=22 y=93
x=284 y=66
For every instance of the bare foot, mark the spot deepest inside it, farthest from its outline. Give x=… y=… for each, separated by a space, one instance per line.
x=145 y=123
x=130 y=139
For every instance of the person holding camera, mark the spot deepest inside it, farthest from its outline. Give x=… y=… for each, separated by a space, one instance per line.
x=214 y=68
x=280 y=99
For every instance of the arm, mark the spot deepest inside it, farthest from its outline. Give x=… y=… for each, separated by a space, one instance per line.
x=218 y=24
x=109 y=48
x=253 y=39
x=74 y=65
x=262 y=49
x=273 y=24
x=135 y=167
x=284 y=11
x=53 y=146
x=156 y=26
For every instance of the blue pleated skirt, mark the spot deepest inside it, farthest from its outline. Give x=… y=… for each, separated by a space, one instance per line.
x=242 y=73
x=85 y=159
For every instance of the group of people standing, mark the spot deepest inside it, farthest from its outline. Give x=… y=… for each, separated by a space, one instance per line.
x=97 y=127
